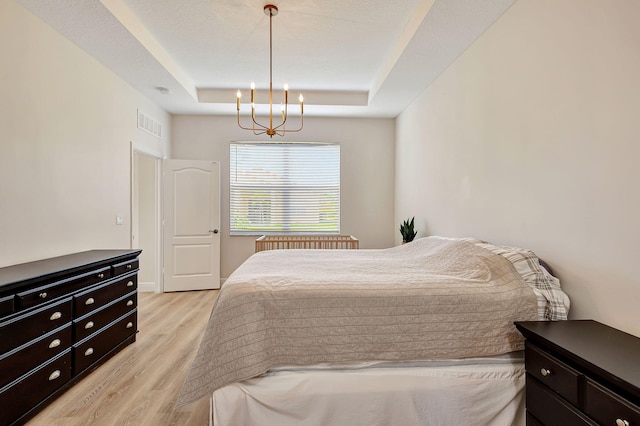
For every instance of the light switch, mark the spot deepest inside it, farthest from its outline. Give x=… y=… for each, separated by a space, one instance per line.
x=118 y=219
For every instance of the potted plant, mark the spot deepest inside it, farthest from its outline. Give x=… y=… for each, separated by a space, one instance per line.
x=407 y=231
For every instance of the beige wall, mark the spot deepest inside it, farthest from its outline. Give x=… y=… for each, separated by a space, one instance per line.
x=531 y=138
x=66 y=124
x=367 y=160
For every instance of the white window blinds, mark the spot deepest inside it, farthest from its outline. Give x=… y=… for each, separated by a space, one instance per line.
x=284 y=188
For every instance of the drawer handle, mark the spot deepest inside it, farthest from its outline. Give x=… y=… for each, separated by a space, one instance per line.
x=89 y=301
x=88 y=325
x=545 y=372
x=620 y=422
x=54 y=344
x=43 y=295
x=129 y=324
x=129 y=266
x=88 y=352
x=54 y=375
x=101 y=275
x=130 y=303
x=55 y=316
x=130 y=284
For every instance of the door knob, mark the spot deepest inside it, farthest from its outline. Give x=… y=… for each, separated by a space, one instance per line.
x=214 y=231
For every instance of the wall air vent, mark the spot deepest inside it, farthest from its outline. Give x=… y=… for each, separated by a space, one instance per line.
x=149 y=125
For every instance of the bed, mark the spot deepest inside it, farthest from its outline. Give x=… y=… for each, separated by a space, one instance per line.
x=417 y=334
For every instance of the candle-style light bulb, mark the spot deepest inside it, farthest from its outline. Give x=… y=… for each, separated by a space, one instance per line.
x=253 y=88
x=239 y=95
x=301 y=99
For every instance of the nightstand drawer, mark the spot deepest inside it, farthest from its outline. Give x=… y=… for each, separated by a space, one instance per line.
x=609 y=409
x=555 y=374
x=549 y=408
x=532 y=421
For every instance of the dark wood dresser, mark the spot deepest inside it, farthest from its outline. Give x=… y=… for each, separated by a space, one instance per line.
x=60 y=318
x=581 y=373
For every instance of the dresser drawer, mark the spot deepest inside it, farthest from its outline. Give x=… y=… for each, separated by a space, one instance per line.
x=18 y=362
x=549 y=408
x=97 y=297
x=92 y=349
x=61 y=288
x=94 y=321
x=21 y=329
x=609 y=409
x=22 y=395
x=7 y=305
x=124 y=267
x=555 y=374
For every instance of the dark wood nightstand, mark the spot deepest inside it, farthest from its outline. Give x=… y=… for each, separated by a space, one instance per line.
x=581 y=373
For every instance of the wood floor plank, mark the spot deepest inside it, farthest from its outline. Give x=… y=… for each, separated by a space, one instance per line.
x=140 y=385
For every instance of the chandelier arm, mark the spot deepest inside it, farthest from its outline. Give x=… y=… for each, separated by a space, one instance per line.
x=258 y=124
x=283 y=131
x=250 y=128
x=240 y=125
x=284 y=118
x=298 y=129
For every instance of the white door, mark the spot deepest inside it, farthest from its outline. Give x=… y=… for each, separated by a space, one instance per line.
x=191 y=206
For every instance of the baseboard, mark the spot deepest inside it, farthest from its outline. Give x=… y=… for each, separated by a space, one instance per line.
x=149 y=287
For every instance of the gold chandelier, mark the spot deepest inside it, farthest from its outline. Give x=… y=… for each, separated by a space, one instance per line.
x=257 y=128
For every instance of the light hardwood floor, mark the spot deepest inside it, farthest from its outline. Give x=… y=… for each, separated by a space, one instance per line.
x=139 y=386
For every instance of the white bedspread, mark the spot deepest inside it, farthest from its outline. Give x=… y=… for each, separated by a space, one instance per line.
x=431 y=299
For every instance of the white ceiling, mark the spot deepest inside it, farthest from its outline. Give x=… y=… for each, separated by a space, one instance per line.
x=348 y=57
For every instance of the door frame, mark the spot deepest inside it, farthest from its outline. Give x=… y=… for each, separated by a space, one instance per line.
x=158 y=156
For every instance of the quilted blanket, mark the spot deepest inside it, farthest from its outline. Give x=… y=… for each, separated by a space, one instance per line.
x=429 y=299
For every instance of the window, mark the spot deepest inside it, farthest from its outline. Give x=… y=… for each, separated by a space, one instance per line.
x=284 y=188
